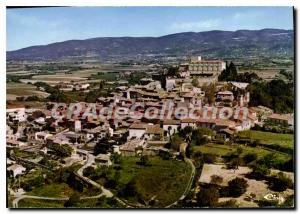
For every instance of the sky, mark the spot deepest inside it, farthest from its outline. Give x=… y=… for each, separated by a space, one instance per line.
x=40 y=26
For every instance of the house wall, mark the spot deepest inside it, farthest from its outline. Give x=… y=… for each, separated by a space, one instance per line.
x=183 y=125
x=137 y=133
x=173 y=129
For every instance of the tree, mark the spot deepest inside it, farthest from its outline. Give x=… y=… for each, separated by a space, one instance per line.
x=208 y=197
x=250 y=157
x=198 y=137
x=101 y=201
x=209 y=158
x=101 y=85
x=32 y=98
x=101 y=147
x=73 y=200
x=228 y=204
x=288 y=165
x=186 y=132
x=234 y=163
x=237 y=187
x=116 y=158
x=215 y=179
x=89 y=171
x=37 y=114
x=275 y=94
x=129 y=190
x=268 y=160
x=195 y=82
x=32 y=183
x=165 y=155
x=144 y=160
x=280 y=182
x=73 y=182
x=260 y=171
x=176 y=141
x=61 y=150
x=210 y=91
x=172 y=71
x=229 y=74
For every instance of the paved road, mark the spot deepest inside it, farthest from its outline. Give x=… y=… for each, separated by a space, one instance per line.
x=107 y=193
x=90 y=160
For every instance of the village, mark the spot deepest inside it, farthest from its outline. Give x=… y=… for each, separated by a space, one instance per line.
x=202 y=131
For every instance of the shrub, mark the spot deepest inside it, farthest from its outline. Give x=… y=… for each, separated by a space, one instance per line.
x=280 y=182
x=209 y=158
x=249 y=157
x=208 y=197
x=289 y=201
x=215 y=179
x=266 y=203
x=260 y=171
x=73 y=200
x=237 y=187
x=144 y=160
x=228 y=204
x=129 y=190
x=89 y=171
x=32 y=98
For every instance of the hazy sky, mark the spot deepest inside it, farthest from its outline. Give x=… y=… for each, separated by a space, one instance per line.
x=40 y=26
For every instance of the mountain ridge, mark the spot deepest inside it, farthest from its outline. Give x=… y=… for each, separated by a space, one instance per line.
x=215 y=44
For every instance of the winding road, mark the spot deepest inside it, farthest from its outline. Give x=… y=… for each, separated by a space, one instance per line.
x=105 y=192
x=90 y=160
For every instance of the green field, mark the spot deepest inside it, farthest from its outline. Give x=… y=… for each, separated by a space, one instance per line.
x=100 y=203
x=52 y=190
x=221 y=150
x=86 y=203
x=24 y=154
x=34 y=203
x=108 y=76
x=165 y=180
x=284 y=140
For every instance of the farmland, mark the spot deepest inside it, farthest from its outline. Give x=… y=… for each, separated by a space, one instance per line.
x=222 y=150
x=284 y=140
x=14 y=90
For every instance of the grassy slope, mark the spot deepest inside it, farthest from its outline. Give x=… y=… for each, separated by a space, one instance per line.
x=34 y=203
x=164 y=179
x=53 y=190
x=221 y=150
x=22 y=89
x=285 y=140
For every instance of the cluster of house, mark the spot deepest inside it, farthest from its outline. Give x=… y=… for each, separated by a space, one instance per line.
x=63 y=86
x=149 y=134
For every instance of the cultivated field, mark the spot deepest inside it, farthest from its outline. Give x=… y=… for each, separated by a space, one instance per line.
x=221 y=150
x=284 y=140
x=14 y=90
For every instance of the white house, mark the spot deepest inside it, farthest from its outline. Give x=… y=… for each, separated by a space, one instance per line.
x=42 y=136
x=137 y=130
x=16 y=169
x=171 y=126
x=188 y=122
x=17 y=114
